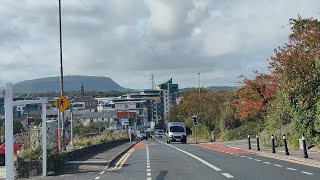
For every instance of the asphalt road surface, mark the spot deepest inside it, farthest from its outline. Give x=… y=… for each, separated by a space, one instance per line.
x=156 y=160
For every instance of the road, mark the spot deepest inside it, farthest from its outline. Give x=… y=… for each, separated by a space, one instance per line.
x=156 y=160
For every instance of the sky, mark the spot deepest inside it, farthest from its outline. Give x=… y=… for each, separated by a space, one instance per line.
x=128 y=40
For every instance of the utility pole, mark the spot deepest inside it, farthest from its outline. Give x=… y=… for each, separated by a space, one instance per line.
x=61 y=79
x=199 y=98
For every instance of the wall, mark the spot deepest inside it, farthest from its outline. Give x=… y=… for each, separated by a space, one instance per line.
x=30 y=168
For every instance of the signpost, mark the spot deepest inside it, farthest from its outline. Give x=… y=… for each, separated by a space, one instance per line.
x=9 y=104
x=62 y=104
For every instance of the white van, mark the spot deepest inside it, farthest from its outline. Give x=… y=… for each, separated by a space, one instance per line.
x=176 y=132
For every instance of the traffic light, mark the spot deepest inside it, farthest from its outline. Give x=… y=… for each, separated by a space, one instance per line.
x=194 y=119
x=129 y=121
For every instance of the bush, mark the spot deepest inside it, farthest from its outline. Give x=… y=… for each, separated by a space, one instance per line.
x=33 y=154
x=289 y=130
x=242 y=132
x=107 y=136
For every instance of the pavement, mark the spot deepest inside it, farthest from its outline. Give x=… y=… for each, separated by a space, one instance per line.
x=296 y=156
x=90 y=163
x=154 y=159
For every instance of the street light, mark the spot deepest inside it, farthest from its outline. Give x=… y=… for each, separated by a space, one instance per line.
x=61 y=79
x=199 y=97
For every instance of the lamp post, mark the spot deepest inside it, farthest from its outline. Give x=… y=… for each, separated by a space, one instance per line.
x=199 y=99
x=61 y=79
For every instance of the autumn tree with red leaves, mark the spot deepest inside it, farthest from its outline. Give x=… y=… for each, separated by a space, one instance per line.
x=254 y=97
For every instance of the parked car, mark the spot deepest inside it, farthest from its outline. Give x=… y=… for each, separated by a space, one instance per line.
x=90 y=135
x=141 y=137
x=160 y=134
x=17 y=144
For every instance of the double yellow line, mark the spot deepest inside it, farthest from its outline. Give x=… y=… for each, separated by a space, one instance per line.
x=123 y=159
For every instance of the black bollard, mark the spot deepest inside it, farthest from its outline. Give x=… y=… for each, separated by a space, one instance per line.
x=273 y=146
x=249 y=143
x=258 y=143
x=285 y=145
x=304 y=147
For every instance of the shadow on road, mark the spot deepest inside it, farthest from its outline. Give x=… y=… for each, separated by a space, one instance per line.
x=162 y=175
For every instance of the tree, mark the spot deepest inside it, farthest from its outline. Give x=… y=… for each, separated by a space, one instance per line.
x=17 y=126
x=295 y=65
x=254 y=98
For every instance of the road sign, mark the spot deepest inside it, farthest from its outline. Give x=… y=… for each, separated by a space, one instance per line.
x=64 y=103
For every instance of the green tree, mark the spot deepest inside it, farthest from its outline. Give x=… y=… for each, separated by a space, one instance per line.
x=17 y=126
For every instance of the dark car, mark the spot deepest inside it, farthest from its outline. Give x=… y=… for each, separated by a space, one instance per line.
x=142 y=137
x=90 y=135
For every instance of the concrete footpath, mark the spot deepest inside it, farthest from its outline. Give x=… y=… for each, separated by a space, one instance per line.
x=295 y=156
x=91 y=163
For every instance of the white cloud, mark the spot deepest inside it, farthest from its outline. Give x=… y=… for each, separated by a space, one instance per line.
x=129 y=40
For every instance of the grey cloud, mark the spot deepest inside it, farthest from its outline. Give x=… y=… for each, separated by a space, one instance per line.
x=130 y=40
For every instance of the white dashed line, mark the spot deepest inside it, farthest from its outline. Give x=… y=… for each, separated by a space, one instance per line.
x=227 y=175
x=148 y=164
x=266 y=162
x=97 y=177
x=257 y=160
x=277 y=165
x=291 y=169
x=249 y=158
x=243 y=156
x=236 y=154
x=102 y=172
x=307 y=173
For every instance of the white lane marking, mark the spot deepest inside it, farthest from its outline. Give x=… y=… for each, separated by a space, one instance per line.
x=227 y=175
x=236 y=154
x=97 y=177
x=243 y=156
x=148 y=164
x=266 y=162
x=304 y=172
x=257 y=160
x=277 y=165
x=291 y=169
x=87 y=162
x=233 y=147
x=102 y=172
x=249 y=158
x=195 y=157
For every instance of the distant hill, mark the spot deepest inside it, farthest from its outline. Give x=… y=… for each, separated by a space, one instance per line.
x=223 y=88
x=214 y=88
x=71 y=83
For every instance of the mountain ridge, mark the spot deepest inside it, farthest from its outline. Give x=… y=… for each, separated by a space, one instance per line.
x=71 y=83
